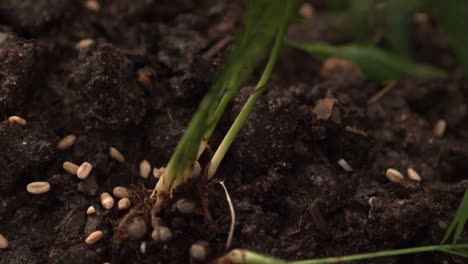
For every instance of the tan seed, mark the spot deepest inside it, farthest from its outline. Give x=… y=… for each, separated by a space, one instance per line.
x=93 y=5
x=124 y=204
x=115 y=154
x=439 y=128
x=107 y=201
x=196 y=169
x=144 y=79
x=84 y=44
x=70 y=167
x=394 y=176
x=38 y=187
x=145 y=169
x=199 y=250
x=3 y=242
x=84 y=170
x=161 y=233
x=137 y=228
x=18 y=120
x=94 y=237
x=121 y=192
x=413 y=175
x=185 y=206
x=91 y=210
x=66 y=142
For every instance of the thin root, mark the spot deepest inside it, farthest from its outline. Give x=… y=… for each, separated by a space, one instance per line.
x=233 y=216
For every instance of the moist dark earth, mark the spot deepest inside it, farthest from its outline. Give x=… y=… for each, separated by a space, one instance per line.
x=136 y=87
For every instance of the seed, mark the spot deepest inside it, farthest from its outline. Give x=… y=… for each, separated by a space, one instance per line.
x=184 y=206
x=115 y=154
x=91 y=210
x=93 y=5
x=394 y=176
x=413 y=175
x=124 y=204
x=345 y=165
x=137 y=228
x=121 y=192
x=144 y=79
x=18 y=120
x=84 y=170
x=199 y=250
x=107 y=201
x=161 y=233
x=66 y=142
x=158 y=172
x=439 y=128
x=196 y=169
x=375 y=202
x=3 y=242
x=93 y=237
x=143 y=247
x=71 y=168
x=145 y=169
x=38 y=187
x=84 y=44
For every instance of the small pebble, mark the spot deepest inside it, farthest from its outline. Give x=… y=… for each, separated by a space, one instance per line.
x=184 y=206
x=3 y=242
x=38 y=187
x=93 y=6
x=413 y=175
x=439 y=128
x=115 y=154
x=66 y=142
x=137 y=228
x=84 y=44
x=18 y=120
x=394 y=176
x=91 y=210
x=94 y=237
x=161 y=233
x=84 y=170
x=70 y=167
x=199 y=251
x=121 y=192
x=124 y=204
x=106 y=200
x=145 y=169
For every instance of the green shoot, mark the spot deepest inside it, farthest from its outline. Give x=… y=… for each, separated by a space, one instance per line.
x=458 y=223
x=374 y=62
x=398 y=26
x=288 y=9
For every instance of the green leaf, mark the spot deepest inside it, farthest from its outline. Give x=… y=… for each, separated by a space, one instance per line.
x=458 y=224
x=398 y=26
x=374 y=62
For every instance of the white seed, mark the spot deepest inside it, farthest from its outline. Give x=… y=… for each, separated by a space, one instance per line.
x=137 y=228
x=394 y=176
x=345 y=165
x=121 y=192
x=145 y=169
x=18 y=120
x=439 y=128
x=107 y=201
x=3 y=242
x=184 y=206
x=66 y=142
x=38 y=187
x=143 y=247
x=161 y=233
x=115 y=154
x=413 y=175
x=158 y=172
x=84 y=44
x=70 y=167
x=124 y=204
x=199 y=251
x=93 y=5
x=84 y=170
x=196 y=169
x=91 y=210
x=93 y=237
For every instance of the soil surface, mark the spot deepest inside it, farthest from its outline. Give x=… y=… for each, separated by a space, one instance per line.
x=136 y=85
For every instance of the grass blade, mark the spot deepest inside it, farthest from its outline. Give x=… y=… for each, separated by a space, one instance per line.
x=397 y=16
x=458 y=224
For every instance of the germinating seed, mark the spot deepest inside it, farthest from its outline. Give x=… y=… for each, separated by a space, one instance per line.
x=84 y=44
x=18 y=120
x=66 y=142
x=439 y=128
x=107 y=201
x=413 y=175
x=71 y=168
x=394 y=176
x=84 y=170
x=91 y=210
x=199 y=251
x=93 y=237
x=161 y=233
x=38 y=187
x=3 y=242
x=121 y=192
x=145 y=169
x=124 y=204
x=184 y=206
x=115 y=154
x=137 y=228
x=93 y=5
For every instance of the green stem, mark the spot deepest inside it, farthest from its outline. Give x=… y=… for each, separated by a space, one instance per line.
x=259 y=90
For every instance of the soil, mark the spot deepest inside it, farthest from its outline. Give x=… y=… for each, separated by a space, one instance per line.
x=135 y=89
